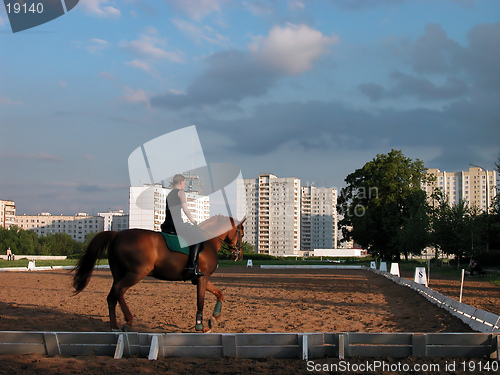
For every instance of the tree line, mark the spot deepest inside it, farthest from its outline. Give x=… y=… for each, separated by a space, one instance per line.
x=26 y=242
x=397 y=218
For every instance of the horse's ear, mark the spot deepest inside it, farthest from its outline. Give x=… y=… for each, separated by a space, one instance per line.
x=242 y=221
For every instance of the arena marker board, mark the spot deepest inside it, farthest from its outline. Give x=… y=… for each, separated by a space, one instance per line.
x=420 y=276
x=395 y=269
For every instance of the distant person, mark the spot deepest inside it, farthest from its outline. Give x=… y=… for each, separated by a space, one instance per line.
x=9 y=254
x=475 y=268
x=173 y=224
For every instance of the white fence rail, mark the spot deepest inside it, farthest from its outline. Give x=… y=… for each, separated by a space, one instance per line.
x=479 y=320
x=252 y=345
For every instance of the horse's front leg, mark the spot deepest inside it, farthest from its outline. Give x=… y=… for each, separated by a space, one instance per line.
x=220 y=297
x=200 y=288
x=212 y=322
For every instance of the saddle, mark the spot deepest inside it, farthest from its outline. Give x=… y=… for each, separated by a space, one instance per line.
x=176 y=243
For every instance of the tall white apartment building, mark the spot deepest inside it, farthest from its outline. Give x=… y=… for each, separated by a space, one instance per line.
x=273 y=214
x=7 y=213
x=318 y=222
x=77 y=226
x=476 y=186
x=114 y=220
x=147 y=206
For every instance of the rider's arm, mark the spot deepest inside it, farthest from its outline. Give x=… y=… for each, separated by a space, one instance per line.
x=184 y=206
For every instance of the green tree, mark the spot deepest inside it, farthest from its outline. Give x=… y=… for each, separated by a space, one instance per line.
x=384 y=208
x=59 y=244
x=20 y=241
x=458 y=229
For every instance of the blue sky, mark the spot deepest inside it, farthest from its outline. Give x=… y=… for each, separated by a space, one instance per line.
x=310 y=89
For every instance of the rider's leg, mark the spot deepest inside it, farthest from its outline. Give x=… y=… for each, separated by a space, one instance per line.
x=192 y=264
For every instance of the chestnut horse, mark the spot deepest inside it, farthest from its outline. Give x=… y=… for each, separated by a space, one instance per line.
x=134 y=254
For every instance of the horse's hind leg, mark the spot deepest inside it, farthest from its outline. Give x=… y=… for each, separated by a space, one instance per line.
x=112 y=301
x=116 y=295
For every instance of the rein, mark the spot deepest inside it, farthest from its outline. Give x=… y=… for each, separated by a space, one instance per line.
x=235 y=249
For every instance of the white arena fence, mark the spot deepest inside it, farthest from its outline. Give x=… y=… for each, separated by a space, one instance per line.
x=477 y=319
x=252 y=345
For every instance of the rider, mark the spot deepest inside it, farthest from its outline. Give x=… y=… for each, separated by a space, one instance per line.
x=173 y=224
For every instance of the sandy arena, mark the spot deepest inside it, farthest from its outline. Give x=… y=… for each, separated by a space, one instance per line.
x=256 y=300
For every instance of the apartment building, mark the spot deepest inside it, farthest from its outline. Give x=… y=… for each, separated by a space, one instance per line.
x=273 y=214
x=318 y=223
x=114 y=220
x=77 y=226
x=147 y=206
x=7 y=213
x=476 y=186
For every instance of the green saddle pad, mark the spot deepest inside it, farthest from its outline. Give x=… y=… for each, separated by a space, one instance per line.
x=176 y=243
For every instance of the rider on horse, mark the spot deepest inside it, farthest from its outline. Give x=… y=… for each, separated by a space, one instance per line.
x=173 y=224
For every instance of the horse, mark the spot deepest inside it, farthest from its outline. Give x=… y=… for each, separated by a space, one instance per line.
x=134 y=254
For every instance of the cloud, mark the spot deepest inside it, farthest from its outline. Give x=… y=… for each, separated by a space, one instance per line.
x=98 y=8
x=233 y=75
x=198 y=9
x=421 y=88
x=150 y=47
x=128 y=94
x=40 y=156
x=482 y=59
x=331 y=128
x=149 y=50
x=96 y=45
x=292 y=49
x=364 y=4
x=199 y=33
x=143 y=65
x=434 y=52
x=8 y=101
x=134 y=96
x=442 y=69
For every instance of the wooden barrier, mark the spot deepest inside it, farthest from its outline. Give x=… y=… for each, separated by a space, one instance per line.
x=251 y=345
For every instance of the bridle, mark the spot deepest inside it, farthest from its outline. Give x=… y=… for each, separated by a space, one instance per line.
x=235 y=249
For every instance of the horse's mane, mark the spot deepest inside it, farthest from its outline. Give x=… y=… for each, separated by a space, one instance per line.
x=218 y=221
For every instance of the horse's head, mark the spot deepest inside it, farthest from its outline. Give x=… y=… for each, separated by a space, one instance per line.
x=234 y=240
x=231 y=233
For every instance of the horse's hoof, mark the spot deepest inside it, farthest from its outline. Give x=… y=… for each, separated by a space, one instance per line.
x=212 y=322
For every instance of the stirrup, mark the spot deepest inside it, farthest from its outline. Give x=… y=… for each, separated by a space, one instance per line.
x=193 y=272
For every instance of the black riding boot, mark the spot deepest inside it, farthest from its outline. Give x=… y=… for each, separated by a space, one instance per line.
x=192 y=263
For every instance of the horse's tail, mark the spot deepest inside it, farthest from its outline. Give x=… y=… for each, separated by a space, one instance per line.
x=88 y=260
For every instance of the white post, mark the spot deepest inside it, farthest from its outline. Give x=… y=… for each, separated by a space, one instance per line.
x=462 y=285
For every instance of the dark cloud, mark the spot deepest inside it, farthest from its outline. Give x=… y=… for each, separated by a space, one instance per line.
x=372 y=90
x=424 y=89
x=482 y=60
x=443 y=69
x=231 y=76
x=434 y=52
x=364 y=4
x=464 y=131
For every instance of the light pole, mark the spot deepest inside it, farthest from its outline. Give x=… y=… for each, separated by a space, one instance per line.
x=487 y=205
